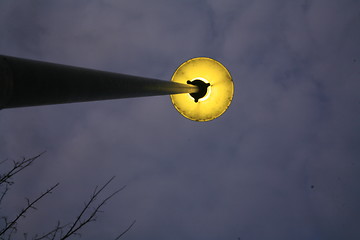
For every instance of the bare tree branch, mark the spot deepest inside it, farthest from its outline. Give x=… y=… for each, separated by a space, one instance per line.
x=30 y=205
x=86 y=215
x=17 y=167
x=126 y=230
x=79 y=222
x=4 y=192
x=58 y=230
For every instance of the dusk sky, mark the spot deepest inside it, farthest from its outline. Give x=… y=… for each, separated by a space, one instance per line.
x=283 y=162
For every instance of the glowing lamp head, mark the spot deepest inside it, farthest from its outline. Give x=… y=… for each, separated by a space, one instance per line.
x=215 y=89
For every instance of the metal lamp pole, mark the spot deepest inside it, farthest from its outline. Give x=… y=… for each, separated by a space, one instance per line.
x=26 y=82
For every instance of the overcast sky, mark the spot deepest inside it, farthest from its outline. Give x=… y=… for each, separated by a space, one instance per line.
x=294 y=121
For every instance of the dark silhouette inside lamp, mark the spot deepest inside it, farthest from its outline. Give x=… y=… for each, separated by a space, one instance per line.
x=203 y=87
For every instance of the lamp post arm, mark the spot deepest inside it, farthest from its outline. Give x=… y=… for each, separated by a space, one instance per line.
x=26 y=82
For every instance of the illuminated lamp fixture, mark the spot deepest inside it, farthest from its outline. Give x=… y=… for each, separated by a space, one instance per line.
x=215 y=85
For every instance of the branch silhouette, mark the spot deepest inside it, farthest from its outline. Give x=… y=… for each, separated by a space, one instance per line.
x=87 y=214
x=30 y=205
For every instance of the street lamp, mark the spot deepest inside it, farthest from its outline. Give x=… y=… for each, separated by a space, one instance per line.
x=215 y=85
x=201 y=88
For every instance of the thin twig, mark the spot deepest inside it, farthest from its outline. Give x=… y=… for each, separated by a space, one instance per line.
x=51 y=234
x=18 y=166
x=79 y=222
x=4 y=193
x=23 y=211
x=126 y=230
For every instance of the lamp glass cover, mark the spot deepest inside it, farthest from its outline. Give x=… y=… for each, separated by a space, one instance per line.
x=219 y=92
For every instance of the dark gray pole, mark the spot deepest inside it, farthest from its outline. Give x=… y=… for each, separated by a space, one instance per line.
x=26 y=82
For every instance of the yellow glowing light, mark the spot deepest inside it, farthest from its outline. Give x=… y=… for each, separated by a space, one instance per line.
x=218 y=95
